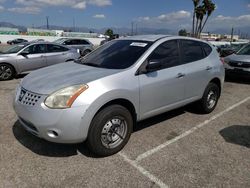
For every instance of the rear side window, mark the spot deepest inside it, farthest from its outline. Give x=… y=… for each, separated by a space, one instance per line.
x=207 y=49
x=167 y=54
x=56 y=48
x=191 y=51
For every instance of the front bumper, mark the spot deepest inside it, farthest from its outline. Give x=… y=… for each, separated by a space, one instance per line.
x=237 y=71
x=55 y=125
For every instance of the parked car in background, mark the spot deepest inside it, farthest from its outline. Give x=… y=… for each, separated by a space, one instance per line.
x=83 y=45
x=233 y=48
x=16 y=41
x=114 y=36
x=239 y=63
x=100 y=97
x=25 y=57
x=38 y=40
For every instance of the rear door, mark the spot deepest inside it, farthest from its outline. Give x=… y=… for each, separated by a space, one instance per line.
x=56 y=54
x=198 y=67
x=162 y=89
x=34 y=59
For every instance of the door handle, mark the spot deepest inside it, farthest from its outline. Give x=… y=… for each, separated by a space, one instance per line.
x=42 y=56
x=180 y=75
x=208 y=68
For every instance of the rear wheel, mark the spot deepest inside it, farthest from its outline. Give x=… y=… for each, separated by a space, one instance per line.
x=6 y=72
x=85 y=52
x=210 y=98
x=110 y=130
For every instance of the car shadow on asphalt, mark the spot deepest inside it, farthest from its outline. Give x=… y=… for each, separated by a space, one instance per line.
x=45 y=148
x=49 y=149
x=160 y=118
x=237 y=134
x=238 y=79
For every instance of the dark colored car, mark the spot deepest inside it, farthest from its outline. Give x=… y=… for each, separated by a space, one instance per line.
x=224 y=52
x=239 y=63
x=16 y=41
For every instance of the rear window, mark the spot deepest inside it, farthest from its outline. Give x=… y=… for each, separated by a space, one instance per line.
x=191 y=51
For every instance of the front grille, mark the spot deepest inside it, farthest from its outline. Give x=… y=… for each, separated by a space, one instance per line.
x=29 y=126
x=28 y=98
x=239 y=64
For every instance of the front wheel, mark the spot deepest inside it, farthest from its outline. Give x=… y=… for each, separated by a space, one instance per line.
x=110 y=130
x=6 y=72
x=210 y=98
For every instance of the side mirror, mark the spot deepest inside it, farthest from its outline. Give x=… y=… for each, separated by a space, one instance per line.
x=24 y=53
x=153 y=66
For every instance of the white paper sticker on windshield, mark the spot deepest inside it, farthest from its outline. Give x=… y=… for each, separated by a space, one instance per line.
x=139 y=44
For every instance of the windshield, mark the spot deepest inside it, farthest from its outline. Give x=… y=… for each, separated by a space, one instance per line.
x=117 y=54
x=245 y=50
x=15 y=49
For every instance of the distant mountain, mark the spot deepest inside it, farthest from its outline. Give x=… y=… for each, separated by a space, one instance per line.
x=10 y=25
x=243 y=31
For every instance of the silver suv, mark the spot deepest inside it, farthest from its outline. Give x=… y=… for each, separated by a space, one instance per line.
x=100 y=97
x=83 y=45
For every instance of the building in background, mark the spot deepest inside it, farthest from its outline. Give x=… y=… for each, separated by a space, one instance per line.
x=40 y=32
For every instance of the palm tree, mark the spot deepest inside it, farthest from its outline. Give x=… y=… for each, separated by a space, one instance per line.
x=196 y=3
x=200 y=11
x=210 y=7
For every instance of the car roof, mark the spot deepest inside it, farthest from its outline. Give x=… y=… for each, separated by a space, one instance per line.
x=151 y=38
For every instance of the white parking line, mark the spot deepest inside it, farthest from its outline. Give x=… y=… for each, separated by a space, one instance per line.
x=143 y=171
x=156 y=149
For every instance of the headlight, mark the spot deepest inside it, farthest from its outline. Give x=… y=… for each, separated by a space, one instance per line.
x=64 y=98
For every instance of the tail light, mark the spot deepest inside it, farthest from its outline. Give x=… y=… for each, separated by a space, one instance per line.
x=222 y=60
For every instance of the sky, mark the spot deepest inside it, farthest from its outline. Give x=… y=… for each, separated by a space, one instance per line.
x=172 y=14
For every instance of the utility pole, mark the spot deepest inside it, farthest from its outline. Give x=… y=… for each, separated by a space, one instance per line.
x=47 y=20
x=136 y=28
x=232 y=34
x=132 y=29
x=74 y=25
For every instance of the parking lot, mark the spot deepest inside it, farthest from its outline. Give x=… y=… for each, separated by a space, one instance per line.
x=180 y=148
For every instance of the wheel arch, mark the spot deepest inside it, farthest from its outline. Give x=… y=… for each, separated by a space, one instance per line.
x=123 y=102
x=217 y=81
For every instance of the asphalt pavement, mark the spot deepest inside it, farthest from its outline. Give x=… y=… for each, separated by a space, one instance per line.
x=181 y=148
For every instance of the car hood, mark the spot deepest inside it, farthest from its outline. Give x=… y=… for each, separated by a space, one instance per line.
x=241 y=58
x=50 y=79
x=6 y=56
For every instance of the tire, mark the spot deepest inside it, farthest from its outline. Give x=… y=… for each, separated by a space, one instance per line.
x=7 y=72
x=110 y=130
x=85 y=52
x=210 y=99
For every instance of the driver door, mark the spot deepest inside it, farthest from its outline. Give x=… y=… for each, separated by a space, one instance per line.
x=32 y=58
x=162 y=89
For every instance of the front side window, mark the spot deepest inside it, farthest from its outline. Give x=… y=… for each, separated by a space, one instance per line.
x=56 y=48
x=83 y=42
x=35 y=49
x=191 y=51
x=245 y=50
x=167 y=54
x=117 y=54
